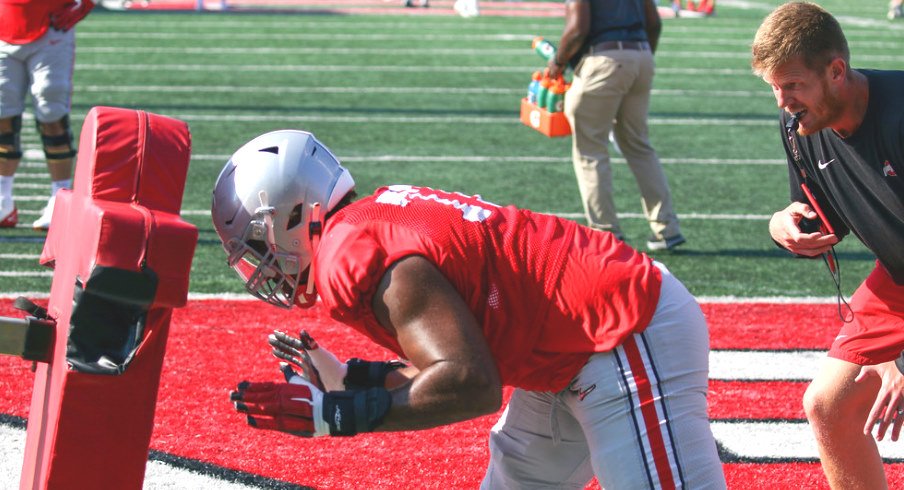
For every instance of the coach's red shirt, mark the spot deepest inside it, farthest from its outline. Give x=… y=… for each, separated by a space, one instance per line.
x=23 y=21
x=546 y=291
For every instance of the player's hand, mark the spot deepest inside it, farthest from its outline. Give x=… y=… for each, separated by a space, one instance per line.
x=295 y=407
x=67 y=16
x=318 y=365
x=785 y=229
x=293 y=350
x=888 y=409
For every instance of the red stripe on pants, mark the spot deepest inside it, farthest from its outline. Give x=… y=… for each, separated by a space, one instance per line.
x=648 y=411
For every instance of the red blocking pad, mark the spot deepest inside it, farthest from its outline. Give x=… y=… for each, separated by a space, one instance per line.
x=113 y=240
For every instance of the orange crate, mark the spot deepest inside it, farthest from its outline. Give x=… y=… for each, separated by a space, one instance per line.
x=551 y=124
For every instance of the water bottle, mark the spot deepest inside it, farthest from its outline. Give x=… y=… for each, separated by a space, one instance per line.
x=555 y=100
x=534 y=87
x=544 y=48
x=543 y=92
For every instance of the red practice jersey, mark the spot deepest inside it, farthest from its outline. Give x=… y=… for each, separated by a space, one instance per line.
x=547 y=292
x=24 y=21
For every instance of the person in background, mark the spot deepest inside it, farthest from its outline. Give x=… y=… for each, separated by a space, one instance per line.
x=410 y=3
x=895 y=9
x=607 y=350
x=843 y=134
x=610 y=46
x=37 y=56
x=691 y=8
x=467 y=8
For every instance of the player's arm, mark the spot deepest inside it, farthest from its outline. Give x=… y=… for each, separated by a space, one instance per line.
x=452 y=376
x=70 y=14
x=456 y=377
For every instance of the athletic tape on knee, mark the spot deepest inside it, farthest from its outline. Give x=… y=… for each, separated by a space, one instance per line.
x=352 y=412
x=12 y=139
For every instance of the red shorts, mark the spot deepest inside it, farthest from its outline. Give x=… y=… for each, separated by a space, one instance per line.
x=876 y=334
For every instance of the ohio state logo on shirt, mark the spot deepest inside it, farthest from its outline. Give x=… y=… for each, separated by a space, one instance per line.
x=887 y=170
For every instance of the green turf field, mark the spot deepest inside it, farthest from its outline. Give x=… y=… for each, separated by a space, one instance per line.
x=434 y=101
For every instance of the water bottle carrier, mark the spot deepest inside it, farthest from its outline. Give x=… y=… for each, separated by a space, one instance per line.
x=553 y=124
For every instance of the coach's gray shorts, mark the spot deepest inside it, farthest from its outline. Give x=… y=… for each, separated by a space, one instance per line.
x=636 y=417
x=42 y=68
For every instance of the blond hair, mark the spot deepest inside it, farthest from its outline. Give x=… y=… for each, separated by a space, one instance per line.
x=798 y=30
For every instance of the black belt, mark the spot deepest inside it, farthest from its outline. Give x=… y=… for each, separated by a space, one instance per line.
x=617 y=45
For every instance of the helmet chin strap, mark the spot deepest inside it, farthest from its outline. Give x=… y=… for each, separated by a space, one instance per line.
x=266 y=211
x=315 y=230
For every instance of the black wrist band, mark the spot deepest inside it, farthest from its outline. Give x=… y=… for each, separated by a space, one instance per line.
x=368 y=374
x=899 y=363
x=352 y=412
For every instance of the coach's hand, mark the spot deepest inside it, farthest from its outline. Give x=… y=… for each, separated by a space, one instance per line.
x=785 y=230
x=67 y=16
x=295 y=407
x=888 y=409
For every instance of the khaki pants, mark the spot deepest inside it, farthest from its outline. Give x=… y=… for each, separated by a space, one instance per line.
x=611 y=92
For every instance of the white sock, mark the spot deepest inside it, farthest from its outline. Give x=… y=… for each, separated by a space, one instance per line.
x=59 y=184
x=6 y=187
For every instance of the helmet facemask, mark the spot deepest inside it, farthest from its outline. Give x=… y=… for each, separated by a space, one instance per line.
x=269 y=274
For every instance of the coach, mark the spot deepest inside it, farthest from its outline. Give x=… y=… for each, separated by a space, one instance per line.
x=842 y=131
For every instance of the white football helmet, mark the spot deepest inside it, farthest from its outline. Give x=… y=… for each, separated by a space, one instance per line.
x=268 y=207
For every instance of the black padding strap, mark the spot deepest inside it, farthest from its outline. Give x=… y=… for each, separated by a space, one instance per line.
x=108 y=320
x=10 y=155
x=56 y=140
x=64 y=139
x=363 y=374
x=9 y=139
x=352 y=412
x=59 y=155
x=28 y=306
x=12 y=139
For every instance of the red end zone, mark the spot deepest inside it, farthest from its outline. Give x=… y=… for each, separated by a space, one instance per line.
x=214 y=344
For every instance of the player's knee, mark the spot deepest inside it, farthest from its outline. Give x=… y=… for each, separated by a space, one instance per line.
x=10 y=139
x=56 y=138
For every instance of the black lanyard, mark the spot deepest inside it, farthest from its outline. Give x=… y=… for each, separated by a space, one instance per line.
x=830 y=257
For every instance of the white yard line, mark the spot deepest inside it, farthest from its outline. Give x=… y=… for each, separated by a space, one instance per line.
x=764 y=365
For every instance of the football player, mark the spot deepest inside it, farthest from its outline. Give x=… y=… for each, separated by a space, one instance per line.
x=37 y=54
x=607 y=351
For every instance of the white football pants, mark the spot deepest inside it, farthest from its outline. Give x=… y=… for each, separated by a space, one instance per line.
x=636 y=417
